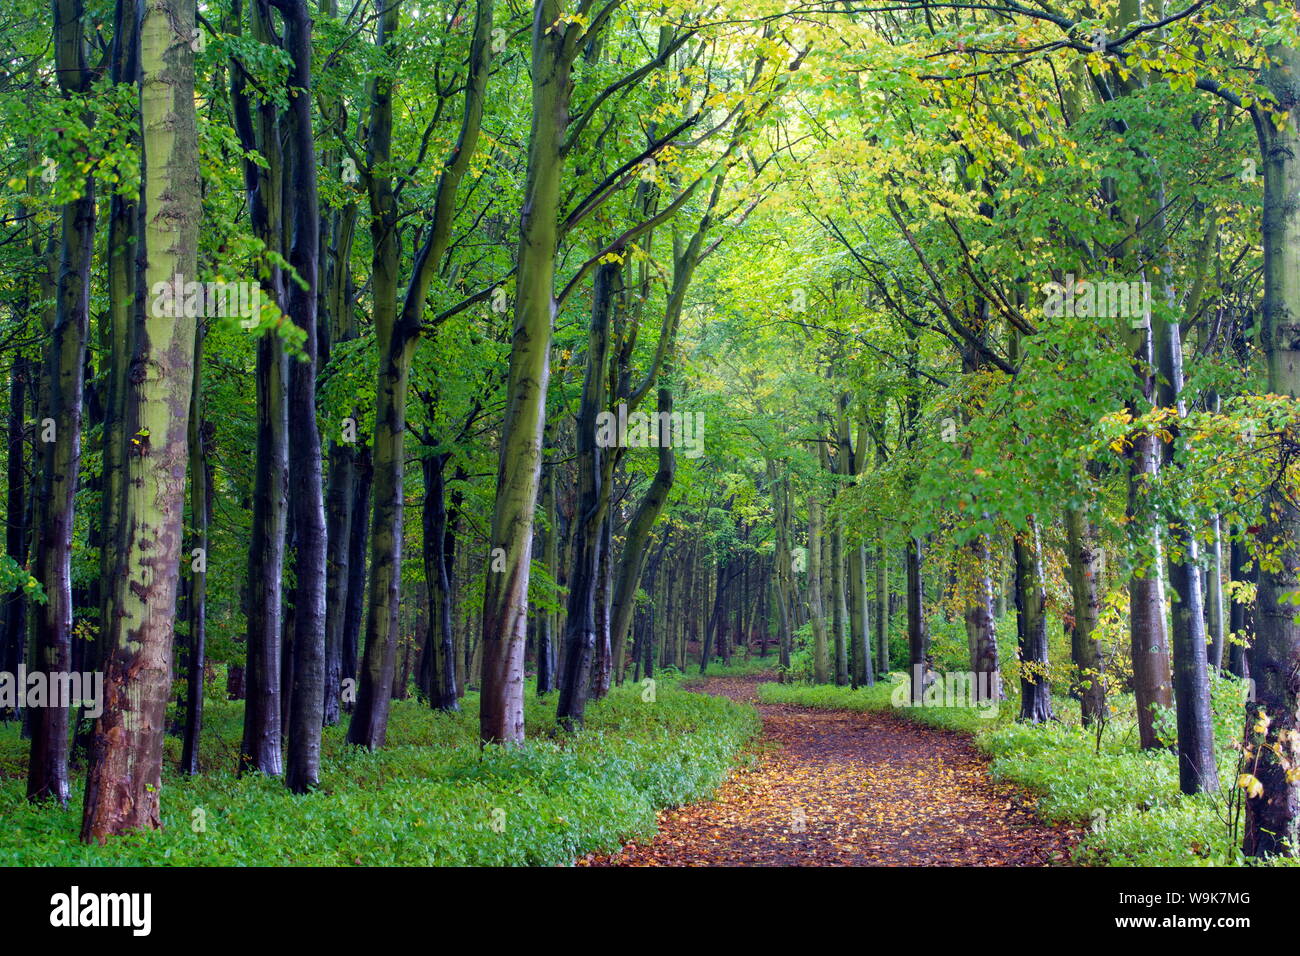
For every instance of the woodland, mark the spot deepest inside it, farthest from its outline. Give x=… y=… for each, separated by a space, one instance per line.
x=646 y=432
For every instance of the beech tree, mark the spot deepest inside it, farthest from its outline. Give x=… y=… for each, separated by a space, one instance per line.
x=61 y=408
x=125 y=774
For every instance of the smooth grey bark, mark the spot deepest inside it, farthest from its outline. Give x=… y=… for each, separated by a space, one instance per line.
x=839 y=605
x=124 y=775
x=505 y=598
x=260 y=132
x=603 y=663
x=200 y=435
x=782 y=567
x=547 y=631
x=438 y=671
x=918 y=635
x=1214 y=596
x=1031 y=628
x=1197 y=770
x=588 y=536
x=13 y=607
x=882 y=608
x=821 y=663
x=356 y=596
x=1149 y=648
x=339 y=321
x=307 y=701
x=860 y=608
x=1273 y=815
x=47 y=774
x=123 y=228
x=1083 y=554
x=980 y=625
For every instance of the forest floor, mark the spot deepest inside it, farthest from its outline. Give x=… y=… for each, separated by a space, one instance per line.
x=842 y=788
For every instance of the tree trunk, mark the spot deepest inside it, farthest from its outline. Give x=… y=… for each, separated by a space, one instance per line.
x=439 y=660
x=341 y=483
x=918 y=637
x=821 y=664
x=839 y=605
x=676 y=604
x=1084 y=556
x=1197 y=771
x=782 y=566
x=1149 y=648
x=359 y=536
x=717 y=617
x=125 y=773
x=603 y=665
x=1241 y=620
x=260 y=748
x=369 y=724
x=980 y=625
x=505 y=599
x=882 y=607
x=123 y=227
x=1031 y=628
x=307 y=708
x=14 y=605
x=547 y=637
x=47 y=776
x=589 y=538
x=337 y=325
x=200 y=512
x=340 y=497
x=1273 y=815
x=864 y=672
x=1214 y=595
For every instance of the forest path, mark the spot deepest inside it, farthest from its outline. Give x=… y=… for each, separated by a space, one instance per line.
x=843 y=788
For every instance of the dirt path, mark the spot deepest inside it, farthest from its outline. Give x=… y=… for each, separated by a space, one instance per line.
x=840 y=788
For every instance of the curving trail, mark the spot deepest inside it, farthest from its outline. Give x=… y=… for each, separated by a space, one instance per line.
x=841 y=788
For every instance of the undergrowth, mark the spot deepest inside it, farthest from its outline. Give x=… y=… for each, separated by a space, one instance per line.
x=431 y=797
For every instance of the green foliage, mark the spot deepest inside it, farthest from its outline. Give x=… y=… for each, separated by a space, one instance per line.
x=827 y=696
x=13 y=577
x=801 y=653
x=746 y=666
x=430 y=799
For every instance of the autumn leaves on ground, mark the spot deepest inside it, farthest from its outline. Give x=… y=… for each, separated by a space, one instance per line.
x=837 y=788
